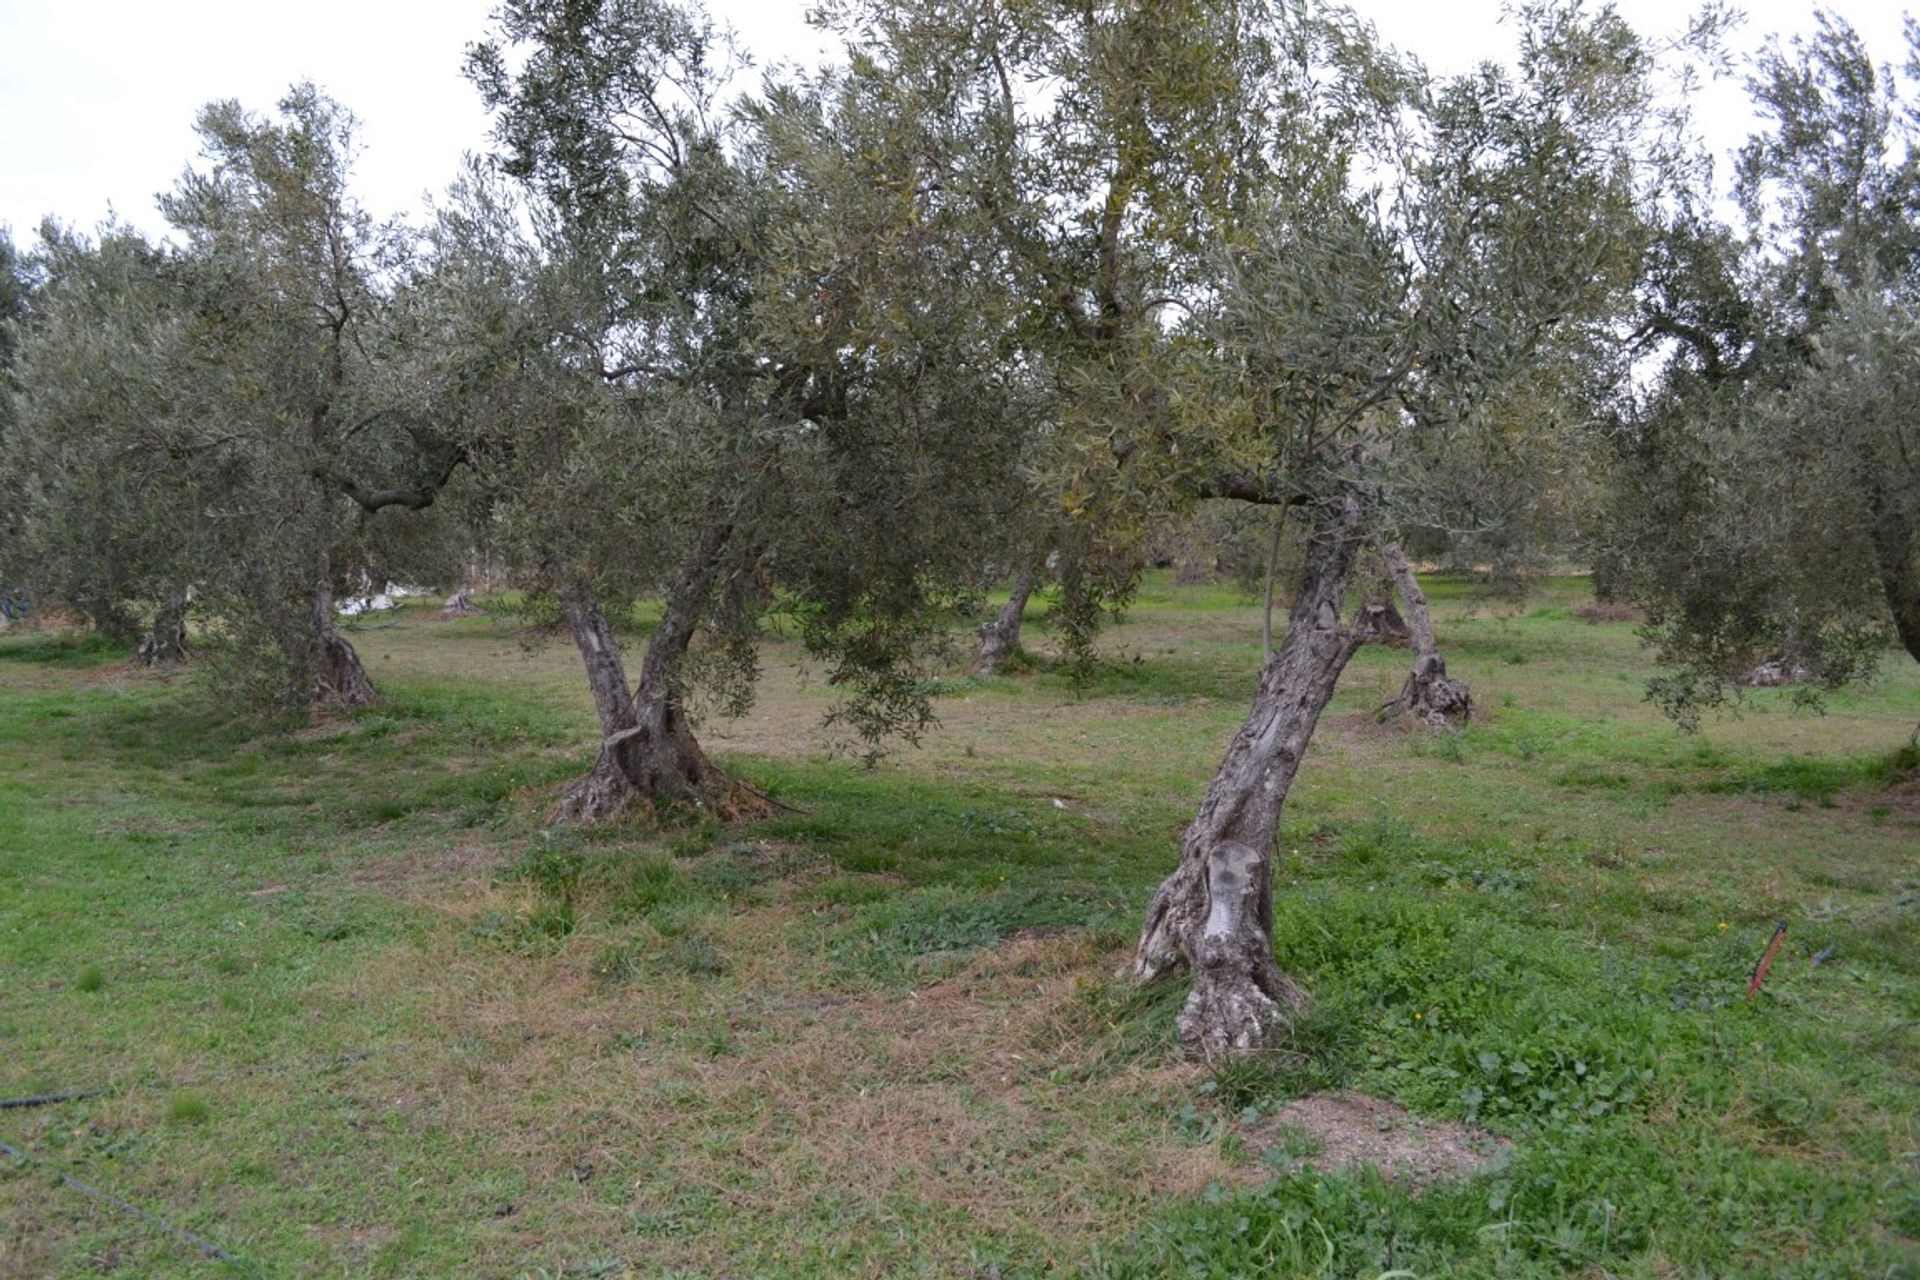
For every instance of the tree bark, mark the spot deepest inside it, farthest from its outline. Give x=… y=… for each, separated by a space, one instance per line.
x=1000 y=638
x=339 y=679
x=1391 y=629
x=165 y=645
x=1240 y=997
x=1273 y=568
x=648 y=754
x=606 y=792
x=460 y=604
x=1895 y=553
x=1215 y=912
x=1429 y=696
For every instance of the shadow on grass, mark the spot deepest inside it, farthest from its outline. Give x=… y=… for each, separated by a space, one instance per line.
x=67 y=650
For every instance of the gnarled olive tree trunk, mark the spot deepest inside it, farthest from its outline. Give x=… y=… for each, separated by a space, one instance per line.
x=648 y=753
x=339 y=679
x=165 y=644
x=460 y=604
x=1429 y=696
x=605 y=792
x=1896 y=553
x=1000 y=638
x=1215 y=912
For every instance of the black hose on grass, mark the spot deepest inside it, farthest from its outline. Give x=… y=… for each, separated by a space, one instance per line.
x=271 y=1068
x=180 y=1233
x=200 y=1242
x=48 y=1099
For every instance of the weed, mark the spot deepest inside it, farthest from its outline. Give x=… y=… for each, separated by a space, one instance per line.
x=652 y=882
x=189 y=1108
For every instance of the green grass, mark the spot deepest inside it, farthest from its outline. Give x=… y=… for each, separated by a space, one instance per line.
x=357 y=1014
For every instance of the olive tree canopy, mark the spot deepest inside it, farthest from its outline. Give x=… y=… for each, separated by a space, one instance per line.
x=754 y=357
x=1766 y=500
x=225 y=415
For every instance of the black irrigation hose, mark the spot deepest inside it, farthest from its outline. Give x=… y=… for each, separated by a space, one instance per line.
x=47 y=1099
x=92 y=1192
x=200 y=1242
x=74 y=1095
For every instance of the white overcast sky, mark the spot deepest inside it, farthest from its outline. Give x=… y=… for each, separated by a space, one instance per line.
x=97 y=99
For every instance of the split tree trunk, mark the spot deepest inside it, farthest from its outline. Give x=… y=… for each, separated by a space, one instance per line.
x=1215 y=912
x=648 y=754
x=1391 y=628
x=1429 y=696
x=339 y=679
x=605 y=792
x=1000 y=638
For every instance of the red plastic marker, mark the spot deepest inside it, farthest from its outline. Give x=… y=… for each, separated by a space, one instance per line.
x=1766 y=961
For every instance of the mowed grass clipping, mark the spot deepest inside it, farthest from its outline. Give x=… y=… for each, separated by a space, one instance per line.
x=355 y=1013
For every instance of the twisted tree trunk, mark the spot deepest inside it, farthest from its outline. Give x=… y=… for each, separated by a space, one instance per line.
x=1000 y=638
x=1896 y=553
x=1429 y=696
x=648 y=754
x=339 y=679
x=605 y=792
x=165 y=645
x=1215 y=912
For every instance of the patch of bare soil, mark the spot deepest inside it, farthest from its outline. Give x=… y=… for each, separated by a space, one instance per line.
x=1354 y=1129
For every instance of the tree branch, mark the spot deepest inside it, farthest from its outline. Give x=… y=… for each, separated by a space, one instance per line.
x=418 y=498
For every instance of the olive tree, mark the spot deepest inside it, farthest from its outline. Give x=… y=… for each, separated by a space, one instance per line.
x=1764 y=502
x=1274 y=262
x=292 y=283
x=16 y=288
x=757 y=361
x=97 y=521
x=230 y=414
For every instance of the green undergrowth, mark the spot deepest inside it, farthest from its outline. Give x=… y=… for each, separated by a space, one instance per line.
x=356 y=1012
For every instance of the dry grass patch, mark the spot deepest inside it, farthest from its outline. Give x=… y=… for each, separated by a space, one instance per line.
x=727 y=1118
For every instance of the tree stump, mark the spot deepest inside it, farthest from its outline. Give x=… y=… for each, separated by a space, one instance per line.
x=1431 y=698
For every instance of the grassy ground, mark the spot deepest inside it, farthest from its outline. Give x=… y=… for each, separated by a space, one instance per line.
x=356 y=1014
